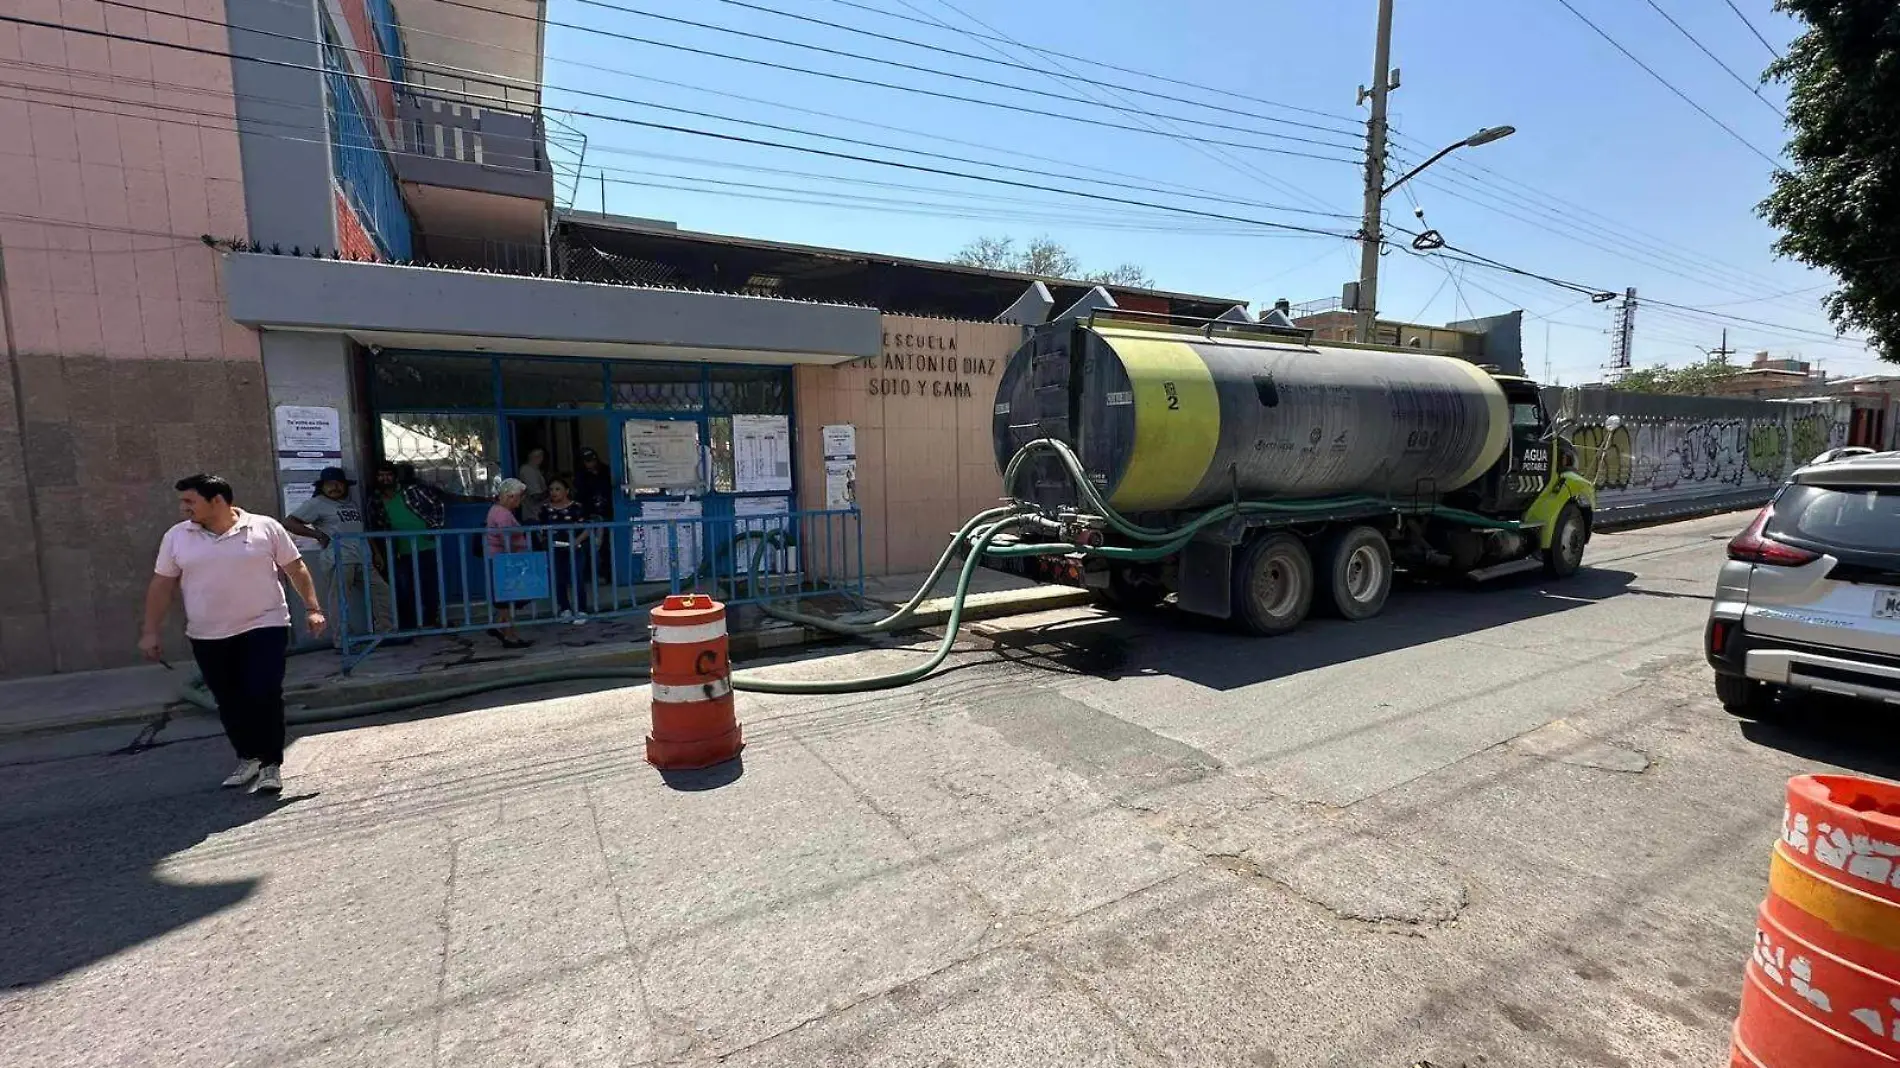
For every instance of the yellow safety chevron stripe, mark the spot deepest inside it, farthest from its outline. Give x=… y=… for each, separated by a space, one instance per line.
x=1854 y=914
x=1177 y=420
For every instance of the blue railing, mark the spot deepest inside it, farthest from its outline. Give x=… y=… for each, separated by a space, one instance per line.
x=363 y=170
x=392 y=584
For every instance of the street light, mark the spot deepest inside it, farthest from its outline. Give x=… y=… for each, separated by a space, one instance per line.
x=1482 y=137
x=1370 y=238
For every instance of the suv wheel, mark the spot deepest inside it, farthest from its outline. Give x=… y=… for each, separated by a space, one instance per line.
x=1746 y=697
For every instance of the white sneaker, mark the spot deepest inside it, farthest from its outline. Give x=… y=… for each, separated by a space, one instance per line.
x=566 y=616
x=578 y=619
x=246 y=771
x=270 y=780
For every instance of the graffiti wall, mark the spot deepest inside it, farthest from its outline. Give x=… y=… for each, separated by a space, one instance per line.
x=1681 y=454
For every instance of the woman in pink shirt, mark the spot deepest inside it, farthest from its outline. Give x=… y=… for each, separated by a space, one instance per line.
x=505 y=536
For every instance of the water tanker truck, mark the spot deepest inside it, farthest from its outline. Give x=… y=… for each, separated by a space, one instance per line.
x=1257 y=476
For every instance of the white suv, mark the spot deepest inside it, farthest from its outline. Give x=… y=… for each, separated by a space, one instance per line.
x=1810 y=596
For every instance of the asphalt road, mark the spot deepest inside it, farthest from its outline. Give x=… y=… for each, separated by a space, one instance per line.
x=1497 y=827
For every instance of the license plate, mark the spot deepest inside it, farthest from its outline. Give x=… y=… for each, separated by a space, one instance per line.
x=1887 y=604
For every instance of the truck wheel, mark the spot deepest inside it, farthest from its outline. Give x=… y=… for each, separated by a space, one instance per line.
x=1124 y=591
x=1353 y=574
x=1273 y=584
x=1565 y=555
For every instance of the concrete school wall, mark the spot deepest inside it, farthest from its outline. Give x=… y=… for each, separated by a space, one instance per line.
x=921 y=409
x=1679 y=456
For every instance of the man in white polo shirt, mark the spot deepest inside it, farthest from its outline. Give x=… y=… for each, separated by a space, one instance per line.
x=227 y=562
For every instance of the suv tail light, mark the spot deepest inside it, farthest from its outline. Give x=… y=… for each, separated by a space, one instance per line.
x=1754 y=547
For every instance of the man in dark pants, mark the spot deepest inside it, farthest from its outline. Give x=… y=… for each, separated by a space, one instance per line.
x=227 y=562
x=400 y=501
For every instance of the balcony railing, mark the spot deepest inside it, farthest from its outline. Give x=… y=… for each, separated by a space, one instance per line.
x=449 y=143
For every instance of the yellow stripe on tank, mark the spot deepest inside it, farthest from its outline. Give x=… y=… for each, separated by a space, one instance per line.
x=1177 y=420
x=1497 y=432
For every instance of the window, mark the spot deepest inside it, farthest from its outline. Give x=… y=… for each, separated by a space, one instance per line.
x=1527 y=414
x=1867 y=520
x=657 y=387
x=456 y=452
x=431 y=380
x=565 y=384
x=750 y=391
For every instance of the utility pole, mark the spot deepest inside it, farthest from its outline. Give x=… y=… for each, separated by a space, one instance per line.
x=1621 y=347
x=1721 y=355
x=1384 y=81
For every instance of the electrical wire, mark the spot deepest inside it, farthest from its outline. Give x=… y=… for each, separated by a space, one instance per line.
x=1751 y=29
x=1170 y=188
x=1004 y=61
x=898 y=86
x=727 y=137
x=1221 y=156
x=1104 y=65
x=1667 y=84
x=742 y=190
x=1755 y=90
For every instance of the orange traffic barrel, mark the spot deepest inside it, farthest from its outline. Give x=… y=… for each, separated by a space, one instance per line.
x=1822 y=987
x=693 y=721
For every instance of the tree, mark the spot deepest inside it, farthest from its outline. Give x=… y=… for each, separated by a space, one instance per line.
x=1692 y=380
x=1839 y=207
x=1045 y=258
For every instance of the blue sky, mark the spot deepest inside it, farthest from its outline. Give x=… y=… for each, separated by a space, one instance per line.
x=1613 y=181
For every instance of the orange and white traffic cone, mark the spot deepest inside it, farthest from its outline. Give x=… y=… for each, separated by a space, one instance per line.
x=693 y=721
x=1822 y=988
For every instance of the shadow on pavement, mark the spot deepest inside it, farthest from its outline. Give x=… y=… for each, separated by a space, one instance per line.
x=1113 y=647
x=1857 y=735
x=80 y=883
x=698 y=779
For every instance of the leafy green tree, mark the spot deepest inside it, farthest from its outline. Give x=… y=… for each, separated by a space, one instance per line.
x=1839 y=207
x=1696 y=378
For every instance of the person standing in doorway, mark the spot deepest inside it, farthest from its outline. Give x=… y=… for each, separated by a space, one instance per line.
x=227 y=562
x=401 y=502
x=567 y=546
x=534 y=476
x=350 y=575
x=594 y=488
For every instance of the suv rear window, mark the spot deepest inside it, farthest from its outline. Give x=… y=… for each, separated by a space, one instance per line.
x=1864 y=519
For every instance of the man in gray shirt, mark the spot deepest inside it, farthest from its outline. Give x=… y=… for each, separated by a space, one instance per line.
x=352 y=576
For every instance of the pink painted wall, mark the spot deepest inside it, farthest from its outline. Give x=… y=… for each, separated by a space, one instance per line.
x=102 y=199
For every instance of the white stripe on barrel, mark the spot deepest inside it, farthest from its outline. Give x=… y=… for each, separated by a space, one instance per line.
x=711 y=690
x=672 y=634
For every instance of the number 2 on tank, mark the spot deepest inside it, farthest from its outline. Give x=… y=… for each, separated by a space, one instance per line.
x=1174 y=399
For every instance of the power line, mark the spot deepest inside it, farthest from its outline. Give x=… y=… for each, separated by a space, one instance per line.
x=715 y=135
x=1667 y=84
x=898 y=86
x=465 y=72
x=1218 y=155
x=1751 y=29
x=1094 y=62
x=997 y=35
x=1717 y=60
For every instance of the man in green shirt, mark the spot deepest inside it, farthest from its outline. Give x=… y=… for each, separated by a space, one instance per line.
x=401 y=502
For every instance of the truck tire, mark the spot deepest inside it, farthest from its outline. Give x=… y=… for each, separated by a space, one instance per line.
x=1353 y=574
x=1125 y=592
x=1572 y=531
x=1273 y=584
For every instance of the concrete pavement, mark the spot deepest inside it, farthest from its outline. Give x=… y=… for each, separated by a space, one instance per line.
x=1498 y=827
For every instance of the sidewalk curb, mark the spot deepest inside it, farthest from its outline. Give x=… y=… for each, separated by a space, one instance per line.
x=749 y=644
